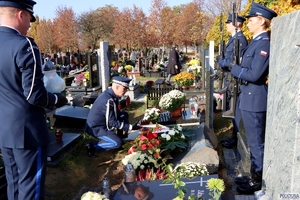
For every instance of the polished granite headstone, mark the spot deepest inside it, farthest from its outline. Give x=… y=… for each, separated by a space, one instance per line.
x=57 y=150
x=68 y=117
x=201 y=149
x=159 y=190
x=281 y=173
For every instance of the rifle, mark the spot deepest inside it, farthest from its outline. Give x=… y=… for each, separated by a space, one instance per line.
x=219 y=75
x=233 y=86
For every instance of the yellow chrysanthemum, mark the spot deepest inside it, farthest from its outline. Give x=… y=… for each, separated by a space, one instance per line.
x=86 y=75
x=194 y=62
x=184 y=78
x=216 y=184
x=128 y=67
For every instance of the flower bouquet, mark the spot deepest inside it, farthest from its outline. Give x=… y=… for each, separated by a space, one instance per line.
x=156 y=67
x=145 y=166
x=191 y=170
x=174 y=139
x=151 y=115
x=172 y=100
x=184 y=79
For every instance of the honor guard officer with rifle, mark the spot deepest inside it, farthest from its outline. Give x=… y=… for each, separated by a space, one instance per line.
x=24 y=134
x=104 y=118
x=252 y=72
x=228 y=58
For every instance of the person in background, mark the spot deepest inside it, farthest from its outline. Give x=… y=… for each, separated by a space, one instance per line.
x=104 y=118
x=174 y=65
x=232 y=141
x=24 y=133
x=252 y=72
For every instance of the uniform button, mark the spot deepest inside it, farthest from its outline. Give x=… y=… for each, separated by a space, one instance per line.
x=249 y=92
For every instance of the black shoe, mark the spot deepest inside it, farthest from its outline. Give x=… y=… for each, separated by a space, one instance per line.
x=242 y=180
x=91 y=150
x=229 y=144
x=249 y=188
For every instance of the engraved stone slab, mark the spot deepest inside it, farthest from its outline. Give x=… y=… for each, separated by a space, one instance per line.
x=281 y=173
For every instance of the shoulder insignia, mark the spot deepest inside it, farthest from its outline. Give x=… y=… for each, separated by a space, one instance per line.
x=263 y=53
x=34 y=47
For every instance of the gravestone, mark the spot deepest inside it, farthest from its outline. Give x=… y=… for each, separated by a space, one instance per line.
x=104 y=65
x=201 y=149
x=159 y=190
x=281 y=172
x=209 y=63
x=93 y=64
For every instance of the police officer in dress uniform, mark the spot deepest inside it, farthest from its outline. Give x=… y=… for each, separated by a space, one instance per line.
x=252 y=71
x=23 y=132
x=232 y=141
x=104 y=117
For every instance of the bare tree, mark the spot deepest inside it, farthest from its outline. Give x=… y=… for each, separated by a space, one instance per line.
x=215 y=7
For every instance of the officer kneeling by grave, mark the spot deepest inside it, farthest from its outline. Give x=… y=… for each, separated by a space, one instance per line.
x=104 y=118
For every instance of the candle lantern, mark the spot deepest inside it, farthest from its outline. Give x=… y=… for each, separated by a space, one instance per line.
x=106 y=188
x=193 y=107
x=129 y=173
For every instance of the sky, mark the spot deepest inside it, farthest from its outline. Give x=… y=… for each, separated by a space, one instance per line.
x=46 y=10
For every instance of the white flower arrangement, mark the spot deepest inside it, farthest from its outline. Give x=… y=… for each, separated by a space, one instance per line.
x=191 y=170
x=93 y=196
x=173 y=134
x=172 y=100
x=174 y=139
x=140 y=160
x=195 y=69
x=151 y=114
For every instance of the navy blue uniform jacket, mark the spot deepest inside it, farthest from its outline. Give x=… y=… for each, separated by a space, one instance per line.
x=229 y=49
x=254 y=68
x=23 y=96
x=104 y=115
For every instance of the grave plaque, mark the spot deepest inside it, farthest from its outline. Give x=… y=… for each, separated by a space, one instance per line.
x=57 y=150
x=159 y=190
x=93 y=69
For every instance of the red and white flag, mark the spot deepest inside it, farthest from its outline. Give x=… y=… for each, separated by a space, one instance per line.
x=263 y=53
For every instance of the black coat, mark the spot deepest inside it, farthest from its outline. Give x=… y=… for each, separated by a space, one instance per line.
x=173 y=60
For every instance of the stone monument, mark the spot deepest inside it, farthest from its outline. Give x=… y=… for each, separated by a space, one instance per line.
x=104 y=65
x=281 y=173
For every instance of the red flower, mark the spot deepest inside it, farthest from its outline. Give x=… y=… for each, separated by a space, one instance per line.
x=144 y=146
x=151 y=135
x=131 y=150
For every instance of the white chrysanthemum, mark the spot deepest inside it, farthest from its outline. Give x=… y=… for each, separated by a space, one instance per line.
x=163 y=135
x=168 y=137
x=179 y=128
x=171 y=132
x=142 y=166
x=182 y=137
